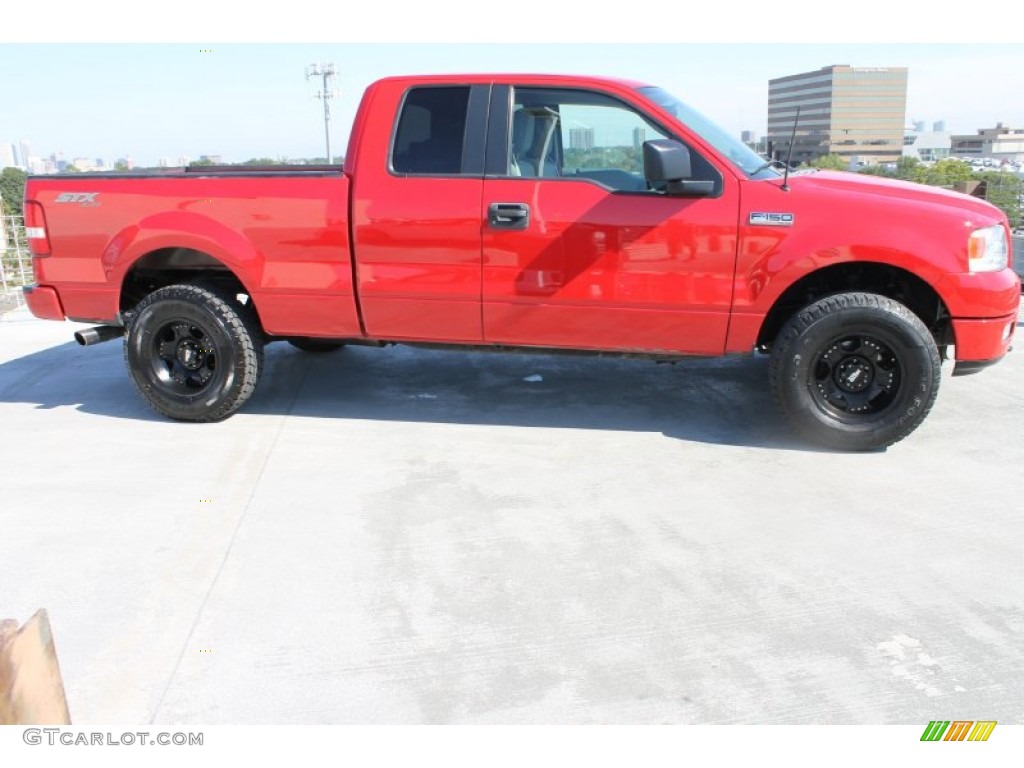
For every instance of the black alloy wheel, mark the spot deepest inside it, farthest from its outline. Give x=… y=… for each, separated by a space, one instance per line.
x=855 y=371
x=193 y=354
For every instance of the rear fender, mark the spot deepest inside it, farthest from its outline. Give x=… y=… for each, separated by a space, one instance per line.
x=182 y=229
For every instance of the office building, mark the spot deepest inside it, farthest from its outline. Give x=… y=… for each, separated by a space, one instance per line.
x=928 y=146
x=858 y=113
x=999 y=143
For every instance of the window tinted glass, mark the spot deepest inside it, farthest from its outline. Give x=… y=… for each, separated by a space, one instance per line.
x=566 y=133
x=431 y=131
x=573 y=134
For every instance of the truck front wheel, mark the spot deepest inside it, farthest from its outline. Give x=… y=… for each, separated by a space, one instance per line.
x=193 y=355
x=855 y=371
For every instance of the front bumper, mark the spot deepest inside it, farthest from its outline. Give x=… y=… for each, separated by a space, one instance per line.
x=43 y=302
x=982 y=342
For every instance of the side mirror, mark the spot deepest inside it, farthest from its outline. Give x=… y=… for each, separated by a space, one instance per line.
x=667 y=161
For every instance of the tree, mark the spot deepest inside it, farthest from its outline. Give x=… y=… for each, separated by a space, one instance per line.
x=945 y=173
x=201 y=163
x=878 y=170
x=12 y=190
x=831 y=163
x=120 y=165
x=261 y=161
x=1004 y=190
x=907 y=168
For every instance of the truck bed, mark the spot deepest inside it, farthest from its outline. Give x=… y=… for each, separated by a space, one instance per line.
x=282 y=230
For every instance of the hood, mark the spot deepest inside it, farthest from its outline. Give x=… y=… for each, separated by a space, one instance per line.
x=978 y=211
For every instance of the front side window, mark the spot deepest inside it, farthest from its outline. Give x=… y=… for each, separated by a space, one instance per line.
x=431 y=131
x=569 y=134
x=578 y=134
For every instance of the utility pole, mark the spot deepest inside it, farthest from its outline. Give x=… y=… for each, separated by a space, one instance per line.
x=325 y=73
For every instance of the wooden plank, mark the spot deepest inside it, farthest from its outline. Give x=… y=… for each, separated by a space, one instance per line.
x=31 y=690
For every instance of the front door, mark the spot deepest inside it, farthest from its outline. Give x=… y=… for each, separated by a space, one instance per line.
x=578 y=252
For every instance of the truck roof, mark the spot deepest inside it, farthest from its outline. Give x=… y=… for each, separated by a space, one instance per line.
x=532 y=77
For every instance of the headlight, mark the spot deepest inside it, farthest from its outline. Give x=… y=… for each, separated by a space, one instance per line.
x=987 y=250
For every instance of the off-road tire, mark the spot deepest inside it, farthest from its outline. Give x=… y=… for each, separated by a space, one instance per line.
x=194 y=355
x=855 y=371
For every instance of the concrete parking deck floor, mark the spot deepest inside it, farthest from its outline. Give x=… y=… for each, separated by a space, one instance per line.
x=401 y=536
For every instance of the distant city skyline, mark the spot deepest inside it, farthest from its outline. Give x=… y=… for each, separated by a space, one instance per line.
x=242 y=101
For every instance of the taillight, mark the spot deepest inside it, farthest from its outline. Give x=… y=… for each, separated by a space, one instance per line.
x=35 y=229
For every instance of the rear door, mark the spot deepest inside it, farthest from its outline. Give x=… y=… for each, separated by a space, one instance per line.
x=416 y=214
x=578 y=251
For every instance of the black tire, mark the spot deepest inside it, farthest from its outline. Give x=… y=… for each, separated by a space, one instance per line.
x=855 y=371
x=307 y=344
x=193 y=354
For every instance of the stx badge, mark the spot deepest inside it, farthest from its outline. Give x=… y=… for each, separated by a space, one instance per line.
x=82 y=198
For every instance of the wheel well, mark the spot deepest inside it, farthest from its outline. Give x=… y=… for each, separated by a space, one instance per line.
x=173 y=266
x=893 y=282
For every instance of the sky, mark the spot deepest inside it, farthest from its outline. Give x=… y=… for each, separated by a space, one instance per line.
x=162 y=98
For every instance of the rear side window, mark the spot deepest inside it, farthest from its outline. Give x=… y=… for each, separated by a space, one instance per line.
x=431 y=131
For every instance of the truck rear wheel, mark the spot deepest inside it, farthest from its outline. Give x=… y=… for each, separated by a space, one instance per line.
x=855 y=371
x=193 y=355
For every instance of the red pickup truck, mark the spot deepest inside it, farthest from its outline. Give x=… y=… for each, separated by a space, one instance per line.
x=543 y=212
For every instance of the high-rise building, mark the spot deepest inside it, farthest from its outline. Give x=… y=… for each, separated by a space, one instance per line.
x=639 y=137
x=581 y=138
x=858 y=113
x=24 y=153
x=939 y=125
x=6 y=155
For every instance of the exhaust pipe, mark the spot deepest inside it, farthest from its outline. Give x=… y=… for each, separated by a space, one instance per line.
x=98 y=334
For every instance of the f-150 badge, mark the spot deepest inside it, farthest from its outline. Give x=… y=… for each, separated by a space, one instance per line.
x=772 y=219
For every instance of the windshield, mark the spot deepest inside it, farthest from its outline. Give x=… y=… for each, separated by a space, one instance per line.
x=742 y=156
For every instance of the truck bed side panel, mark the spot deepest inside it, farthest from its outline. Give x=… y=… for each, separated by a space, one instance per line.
x=285 y=238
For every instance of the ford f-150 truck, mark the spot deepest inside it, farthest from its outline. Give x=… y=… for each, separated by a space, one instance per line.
x=548 y=213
